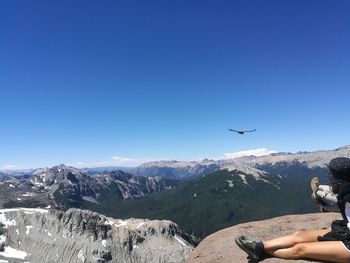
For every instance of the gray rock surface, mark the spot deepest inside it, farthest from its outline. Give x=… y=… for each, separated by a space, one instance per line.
x=221 y=248
x=84 y=236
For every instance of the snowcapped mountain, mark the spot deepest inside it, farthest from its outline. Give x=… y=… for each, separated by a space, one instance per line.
x=67 y=187
x=184 y=170
x=220 y=192
x=66 y=184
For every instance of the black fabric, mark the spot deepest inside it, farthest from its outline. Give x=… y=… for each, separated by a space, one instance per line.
x=343 y=197
x=340 y=171
x=340 y=168
x=259 y=246
x=339 y=232
x=346 y=243
x=327 y=237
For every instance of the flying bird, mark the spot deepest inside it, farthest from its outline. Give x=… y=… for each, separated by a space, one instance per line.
x=242 y=132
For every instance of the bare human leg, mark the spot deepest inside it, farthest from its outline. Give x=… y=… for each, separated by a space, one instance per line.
x=329 y=251
x=293 y=239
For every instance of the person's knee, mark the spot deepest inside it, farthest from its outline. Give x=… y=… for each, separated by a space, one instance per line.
x=298 y=250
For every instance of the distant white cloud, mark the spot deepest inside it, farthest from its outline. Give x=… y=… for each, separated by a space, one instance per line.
x=10 y=167
x=122 y=159
x=113 y=161
x=257 y=152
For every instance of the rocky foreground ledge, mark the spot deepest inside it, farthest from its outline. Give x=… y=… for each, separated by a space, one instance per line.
x=220 y=247
x=40 y=235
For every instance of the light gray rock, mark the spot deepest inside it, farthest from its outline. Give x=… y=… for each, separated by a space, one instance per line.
x=84 y=236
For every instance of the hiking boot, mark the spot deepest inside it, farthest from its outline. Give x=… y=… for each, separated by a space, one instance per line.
x=315 y=183
x=255 y=254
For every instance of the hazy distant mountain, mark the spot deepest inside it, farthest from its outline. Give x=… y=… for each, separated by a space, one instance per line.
x=191 y=170
x=316 y=159
x=20 y=174
x=5 y=177
x=177 y=169
x=106 y=169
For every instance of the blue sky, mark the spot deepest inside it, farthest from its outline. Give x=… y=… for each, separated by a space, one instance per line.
x=85 y=81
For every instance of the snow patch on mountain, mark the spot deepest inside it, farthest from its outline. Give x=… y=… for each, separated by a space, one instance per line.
x=81 y=234
x=246 y=169
x=10 y=252
x=230 y=183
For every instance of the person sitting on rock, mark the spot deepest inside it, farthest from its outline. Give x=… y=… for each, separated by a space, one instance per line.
x=330 y=245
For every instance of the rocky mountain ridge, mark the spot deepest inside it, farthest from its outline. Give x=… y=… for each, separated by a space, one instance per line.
x=238 y=192
x=39 y=235
x=223 y=198
x=189 y=170
x=314 y=159
x=5 y=177
x=177 y=169
x=66 y=187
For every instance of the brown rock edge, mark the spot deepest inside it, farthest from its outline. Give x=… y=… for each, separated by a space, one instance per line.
x=221 y=248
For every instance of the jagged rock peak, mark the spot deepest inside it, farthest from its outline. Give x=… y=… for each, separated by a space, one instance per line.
x=85 y=236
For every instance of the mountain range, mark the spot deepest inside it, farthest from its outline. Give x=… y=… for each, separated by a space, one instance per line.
x=64 y=187
x=206 y=196
x=191 y=170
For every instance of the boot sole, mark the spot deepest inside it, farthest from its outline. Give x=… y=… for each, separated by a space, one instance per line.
x=251 y=254
x=315 y=183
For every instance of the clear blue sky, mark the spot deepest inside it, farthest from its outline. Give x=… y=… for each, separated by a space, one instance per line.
x=82 y=81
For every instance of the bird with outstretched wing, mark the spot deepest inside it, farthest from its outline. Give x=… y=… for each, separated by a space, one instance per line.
x=241 y=132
